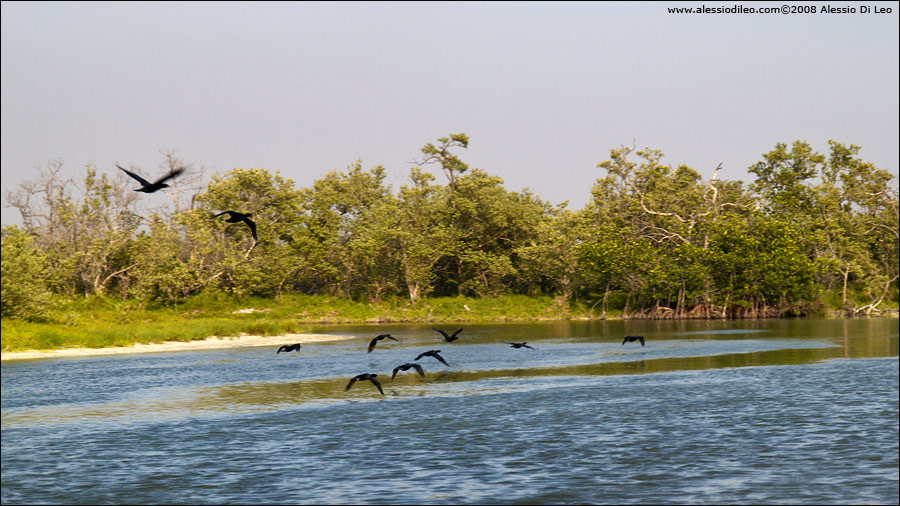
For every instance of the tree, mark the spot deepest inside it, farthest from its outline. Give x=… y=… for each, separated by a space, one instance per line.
x=783 y=179
x=339 y=214
x=419 y=232
x=488 y=224
x=552 y=254
x=85 y=237
x=672 y=242
x=221 y=252
x=24 y=273
x=856 y=225
x=601 y=263
x=162 y=271
x=760 y=265
x=450 y=164
x=673 y=209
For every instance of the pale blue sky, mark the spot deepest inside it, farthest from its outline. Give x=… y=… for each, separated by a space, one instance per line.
x=544 y=90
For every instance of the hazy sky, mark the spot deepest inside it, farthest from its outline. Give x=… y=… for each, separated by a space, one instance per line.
x=544 y=90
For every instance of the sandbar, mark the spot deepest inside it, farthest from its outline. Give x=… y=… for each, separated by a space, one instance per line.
x=210 y=343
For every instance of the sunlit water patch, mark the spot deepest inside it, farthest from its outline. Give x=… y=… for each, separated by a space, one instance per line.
x=724 y=332
x=552 y=366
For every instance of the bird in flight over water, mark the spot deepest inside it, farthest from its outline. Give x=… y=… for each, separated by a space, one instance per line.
x=631 y=339
x=434 y=353
x=236 y=217
x=364 y=377
x=406 y=367
x=147 y=186
x=447 y=338
x=288 y=347
x=379 y=338
x=521 y=345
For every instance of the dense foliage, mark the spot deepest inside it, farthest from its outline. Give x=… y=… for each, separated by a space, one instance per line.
x=654 y=241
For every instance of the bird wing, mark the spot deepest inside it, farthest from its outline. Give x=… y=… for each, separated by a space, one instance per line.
x=441 y=359
x=252 y=226
x=641 y=339
x=377 y=384
x=170 y=175
x=625 y=340
x=372 y=344
x=391 y=337
x=442 y=333
x=419 y=369
x=139 y=179
x=352 y=381
x=421 y=355
x=229 y=213
x=395 y=371
x=457 y=332
x=280 y=350
x=529 y=347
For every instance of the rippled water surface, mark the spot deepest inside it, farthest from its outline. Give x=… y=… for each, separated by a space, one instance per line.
x=771 y=411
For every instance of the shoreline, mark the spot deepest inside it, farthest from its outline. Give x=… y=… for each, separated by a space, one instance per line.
x=244 y=340
x=210 y=343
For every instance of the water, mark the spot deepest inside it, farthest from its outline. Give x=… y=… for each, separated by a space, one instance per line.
x=771 y=411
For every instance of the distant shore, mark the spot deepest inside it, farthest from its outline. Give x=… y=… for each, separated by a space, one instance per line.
x=210 y=343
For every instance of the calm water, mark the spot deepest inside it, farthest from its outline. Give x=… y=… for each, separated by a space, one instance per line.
x=775 y=411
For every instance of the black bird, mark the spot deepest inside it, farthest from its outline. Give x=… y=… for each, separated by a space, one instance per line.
x=288 y=347
x=521 y=345
x=236 y=217
x=363 y=377
x=434 y=353
x=631 y=339
x=379 y=338
x=147 y=186
x=406 y=367
x=447 y=338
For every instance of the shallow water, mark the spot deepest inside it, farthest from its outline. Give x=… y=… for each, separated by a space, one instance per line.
x=766 y=411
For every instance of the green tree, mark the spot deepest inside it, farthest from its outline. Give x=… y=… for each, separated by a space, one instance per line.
x=449 y=163
x=420 y=233
x=784 y=179
x=24 y=273
x=855 y=224
x=84 y=230
x=662 y=215
x=162 y=272
x=760 y=266
x=488 y=224
x=551 y=256
x=601 y=263
x=225 y=255
x=338 y=213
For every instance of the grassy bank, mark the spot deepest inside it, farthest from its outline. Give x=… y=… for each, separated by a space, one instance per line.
x=101 y=322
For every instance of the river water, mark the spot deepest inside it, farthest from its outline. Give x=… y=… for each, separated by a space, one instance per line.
x=737 y=412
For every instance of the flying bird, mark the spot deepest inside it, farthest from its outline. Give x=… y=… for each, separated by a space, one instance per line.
x=406 y=367
x=236 y=217
x=447 y=338
x=631 y=339
x=434 y=353
x=521 y=345
x=379 y=338
x=288 y=347
x=364 y=377
x=147 y=186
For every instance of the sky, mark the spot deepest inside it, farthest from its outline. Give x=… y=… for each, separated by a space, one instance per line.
x=544 y=90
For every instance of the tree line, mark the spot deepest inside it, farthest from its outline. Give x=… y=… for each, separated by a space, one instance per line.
x=654 y=240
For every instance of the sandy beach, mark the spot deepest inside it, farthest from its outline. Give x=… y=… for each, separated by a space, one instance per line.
x=209 y=343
